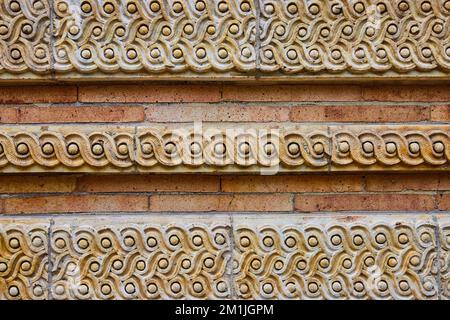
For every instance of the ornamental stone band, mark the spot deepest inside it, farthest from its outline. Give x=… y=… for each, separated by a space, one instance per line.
x=47 y=40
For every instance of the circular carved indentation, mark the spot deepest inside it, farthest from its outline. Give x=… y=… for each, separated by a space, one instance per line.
x=290 y=242
x=428 y=285
x=314 y=9
x=83 y=289
x=414 y=147
x=97 y=149
x=3 y=267
x=358 y=240
x=151 y=242
x=344 y=147
x=391 y=147
x=392 y=29
x=155 y=6
x=267 y=288
x=312 y=241
x=415 y=260
x=122 y=149
x=14 y=6
x=94 y=267
x=438 y=147
x=60 y=243
x=369 y=261
x=223 y=6
x=336 y=286
x=13 y=291
x=426 y=6
x=324 y=263
x=359 y=286
x=200 y=5
x=382 y=285
x=105 y=289
x=163 y=263
x=197 y=287
x=186 y=263
x=301 y=265
x=347 y=263
x=37 y=241
x=59 y=289
x=86 y=7
x=14 y=243
x=47 y=148
x=16 y=54
x=425 y=237
x=129 y=241
x=403 y=238
x=403 y=6
x=268 y=241
x=245 y=241
x=175 y=287
x=83 y=243
x=174 y=240
x=117 y=264
x=404 y=285
x=197 y=240
x=380 y=238
x=209 y=262
x=292 y=8
x=368 y=147
x=147 y=148
x=131 y=7
x=170 y=148
x=392 y=262
x=313 y=287
x=38 y=291
x=130 y=288
x=73 y=149
x=336 y=240
x=152 y=288
x=219 y=149
x=108 y=7
x=22 y=148
x=106 y=243
x=219 y=239
x=359 y=7
x=86 y=54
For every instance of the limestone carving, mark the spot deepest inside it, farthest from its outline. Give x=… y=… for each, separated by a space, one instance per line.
x=226 y=256
x=223 y=38
x=221 y=147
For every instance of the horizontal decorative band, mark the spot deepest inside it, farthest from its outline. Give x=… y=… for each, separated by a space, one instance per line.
x=225 y=148
x=211 y=257
x=223 y=39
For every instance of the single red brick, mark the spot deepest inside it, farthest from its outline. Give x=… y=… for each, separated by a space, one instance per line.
x=221 y=203
x=360 y=113
x=38 y=94
x=150 y=93
x=291 y=93
x=76 y=203
x=81 y=114
x=365 y=202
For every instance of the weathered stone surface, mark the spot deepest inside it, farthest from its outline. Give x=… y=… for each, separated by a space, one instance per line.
x=177 y=256
x=24 y=256
x=223 y=39
x=224 y=148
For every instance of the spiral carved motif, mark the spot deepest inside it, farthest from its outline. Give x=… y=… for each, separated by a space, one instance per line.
x=223 y=38
x=223 y=257
x=23 y=260
x=145 y=261
x=239 y=147
x=326 y=259
x=25 y=36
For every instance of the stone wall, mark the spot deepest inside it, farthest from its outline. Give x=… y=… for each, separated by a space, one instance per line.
x=221 y=149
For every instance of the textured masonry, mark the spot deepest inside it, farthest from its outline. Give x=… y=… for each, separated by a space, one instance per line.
x=224 y=149
x=308 y=257
x=220 y=39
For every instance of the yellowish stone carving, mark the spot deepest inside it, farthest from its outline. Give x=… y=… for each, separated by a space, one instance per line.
x=224 y=39
x=244 y=256
x=225 y=148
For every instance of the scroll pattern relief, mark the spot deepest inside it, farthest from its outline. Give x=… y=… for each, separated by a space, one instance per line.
x=445 y=255
x=351 y=257
x=25 y=36
x=355 y=36
x=153 y=37
x=241 y=147
x=152 y=260
x=23 y=260
x=208 y=257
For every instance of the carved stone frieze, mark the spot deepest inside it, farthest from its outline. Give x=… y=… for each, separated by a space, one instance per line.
x=224 y=39
x=226 y=256
x=224 y=148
